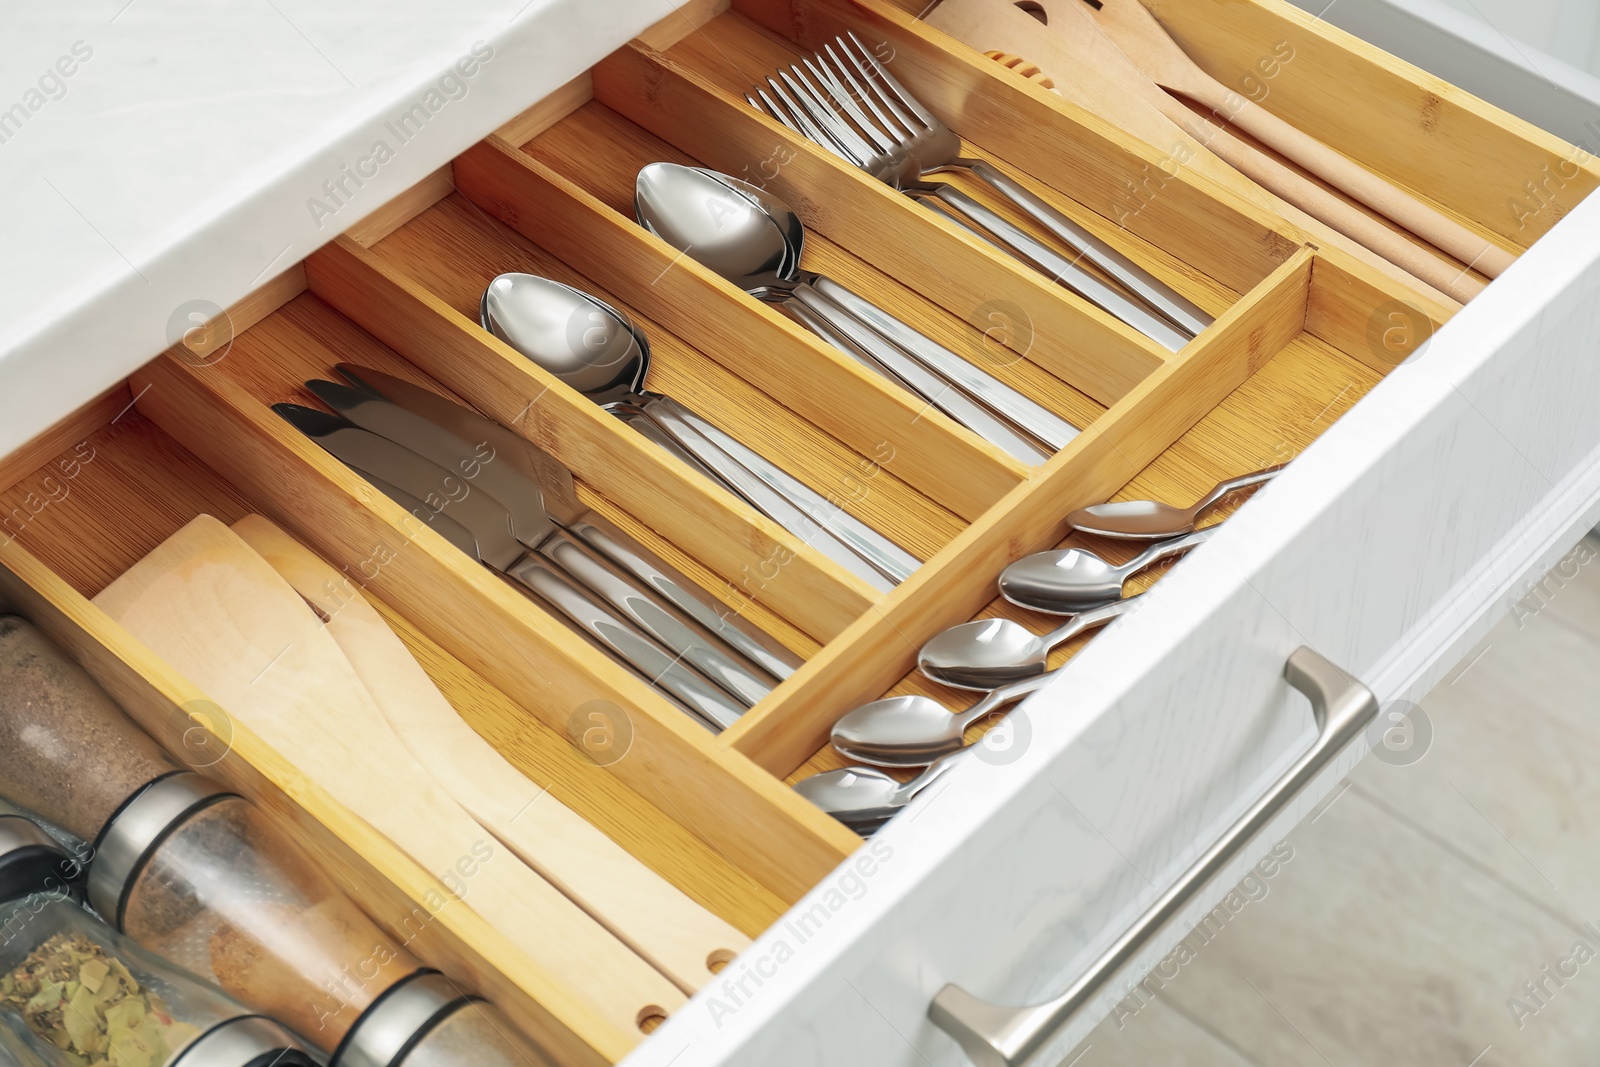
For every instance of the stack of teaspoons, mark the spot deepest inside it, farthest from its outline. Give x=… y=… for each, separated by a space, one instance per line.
x=1001 y=658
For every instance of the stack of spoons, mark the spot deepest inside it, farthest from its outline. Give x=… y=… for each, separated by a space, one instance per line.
x=1001 y=658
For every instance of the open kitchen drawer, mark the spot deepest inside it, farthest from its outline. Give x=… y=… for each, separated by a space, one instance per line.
x=1387 y=546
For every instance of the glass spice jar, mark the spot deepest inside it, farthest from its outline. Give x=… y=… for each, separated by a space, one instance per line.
x=426 y=1021
x=208 y=880
x=68 y=753
x=99 y=1000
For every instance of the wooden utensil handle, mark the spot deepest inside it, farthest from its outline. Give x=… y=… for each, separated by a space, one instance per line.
x=1370 y=189
x=646 y=912
x=1290 y=186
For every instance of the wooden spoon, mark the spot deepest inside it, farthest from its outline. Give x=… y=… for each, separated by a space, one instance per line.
x=1090 y=70
x=650 y=914
x=218 y=612
x=1145 y=41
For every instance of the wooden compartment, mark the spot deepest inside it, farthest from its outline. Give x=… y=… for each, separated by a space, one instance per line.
x=1302 y=331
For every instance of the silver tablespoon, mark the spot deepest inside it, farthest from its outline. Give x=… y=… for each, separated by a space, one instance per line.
x=755 y=241
x=914 y=731
x=991 y=653
x=864 y=799
x=1066 y=581
x=1151 y=520
x=592 y=347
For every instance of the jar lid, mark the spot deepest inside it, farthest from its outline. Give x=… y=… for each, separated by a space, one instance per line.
x=134 y=833
x=31 y=861
x=247 y=1041
x=397 y=1020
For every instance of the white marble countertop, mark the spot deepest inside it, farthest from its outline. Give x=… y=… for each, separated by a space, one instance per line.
x=157 y=153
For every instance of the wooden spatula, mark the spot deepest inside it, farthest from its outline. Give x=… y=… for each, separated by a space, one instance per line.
x=1023 y=68
x=1145 y=41
x=647 y=912
x=1090 y=70
x=218 y=612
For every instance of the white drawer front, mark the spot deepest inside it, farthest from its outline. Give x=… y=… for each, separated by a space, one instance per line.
x=1388 y=547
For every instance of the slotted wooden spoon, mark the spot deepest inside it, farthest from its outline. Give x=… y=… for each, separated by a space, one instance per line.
x=650 y=914
x=209 y=605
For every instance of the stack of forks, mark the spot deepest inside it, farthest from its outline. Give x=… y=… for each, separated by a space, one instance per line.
x=844 y=100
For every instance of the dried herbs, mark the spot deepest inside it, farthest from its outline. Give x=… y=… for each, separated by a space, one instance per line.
x=86 y=1002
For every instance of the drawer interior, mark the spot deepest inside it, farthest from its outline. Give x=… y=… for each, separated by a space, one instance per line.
x=1301 y=333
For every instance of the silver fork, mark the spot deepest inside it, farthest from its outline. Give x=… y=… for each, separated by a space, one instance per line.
x=846 y=101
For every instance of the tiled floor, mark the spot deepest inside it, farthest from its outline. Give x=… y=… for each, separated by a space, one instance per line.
x=1416 y=920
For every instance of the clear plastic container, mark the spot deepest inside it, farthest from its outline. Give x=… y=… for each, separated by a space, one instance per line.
x=227 y=895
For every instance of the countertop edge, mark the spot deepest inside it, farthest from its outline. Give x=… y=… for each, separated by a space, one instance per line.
x=270 y=227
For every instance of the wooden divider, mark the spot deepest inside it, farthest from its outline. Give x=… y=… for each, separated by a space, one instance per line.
x=399 y=894
x=456 y=249
x=779 y=839
x=816 y=594
x=1366 y=315
x=1056 y=141
x=946 y=462
x=875 y=653
x=1083 y=345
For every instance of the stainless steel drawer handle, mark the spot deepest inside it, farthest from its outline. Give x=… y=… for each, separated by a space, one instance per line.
x=998 y=1036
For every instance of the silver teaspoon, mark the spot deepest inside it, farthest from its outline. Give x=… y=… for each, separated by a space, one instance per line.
x=914 y=731
x=991 y=653
x=864 y=799
x=1066 y=581
x=1151 y=520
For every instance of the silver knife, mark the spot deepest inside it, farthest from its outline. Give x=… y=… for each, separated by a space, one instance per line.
x=490 y=527
x=544 y=475
x=552 y=587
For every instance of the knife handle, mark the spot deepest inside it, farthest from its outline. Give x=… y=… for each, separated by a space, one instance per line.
x=657 y=666
x=621 y=551
x=644 y=612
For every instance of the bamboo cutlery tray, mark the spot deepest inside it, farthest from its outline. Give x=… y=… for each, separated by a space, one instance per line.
x=1301 y=333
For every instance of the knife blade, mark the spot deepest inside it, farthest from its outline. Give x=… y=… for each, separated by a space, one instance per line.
x=745 y=679
x=494 y=544
x=541 y=471
x=534 y=463
x=474 y=459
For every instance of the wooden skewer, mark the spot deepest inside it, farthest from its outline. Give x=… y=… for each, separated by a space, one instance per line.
x=209 y=605
x=651 y=915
